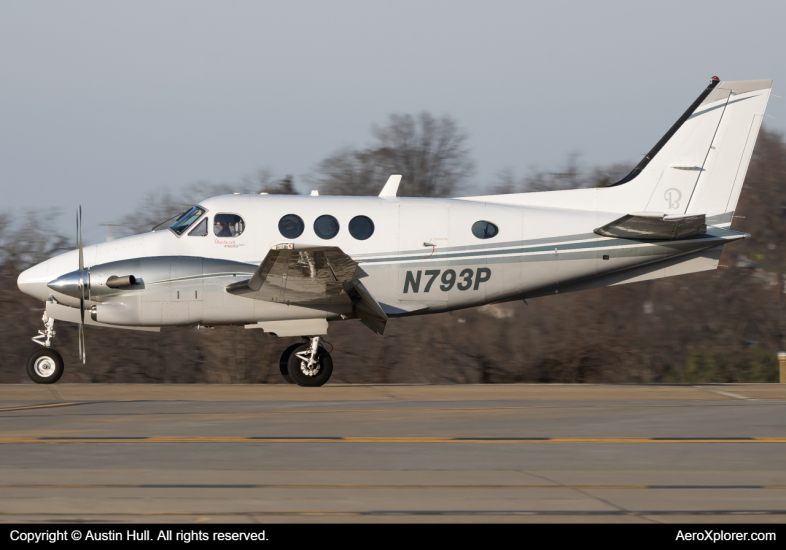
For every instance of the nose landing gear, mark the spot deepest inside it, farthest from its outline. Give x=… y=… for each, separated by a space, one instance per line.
x=45 y=366
x=306 y=364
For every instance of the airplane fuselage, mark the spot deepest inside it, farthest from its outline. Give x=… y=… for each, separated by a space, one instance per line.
x=422 y=257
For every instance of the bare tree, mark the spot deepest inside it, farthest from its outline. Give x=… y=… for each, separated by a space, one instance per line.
x=284 y=186
x=27 y=241
x=164 y=205
x=351 y=172
x=570 y=176
x=429 y=152
x=602 y=176
x=264 y=181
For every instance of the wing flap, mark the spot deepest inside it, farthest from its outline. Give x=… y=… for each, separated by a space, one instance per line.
x=655 y=226
x=367 y=309
x=300 y=275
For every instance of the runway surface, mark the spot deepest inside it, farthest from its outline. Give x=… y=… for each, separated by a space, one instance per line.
x=512 y=453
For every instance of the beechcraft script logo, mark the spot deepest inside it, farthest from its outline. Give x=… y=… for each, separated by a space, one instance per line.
x=673 y=197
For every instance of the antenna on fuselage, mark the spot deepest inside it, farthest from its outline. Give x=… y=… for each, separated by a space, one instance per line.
x=391 y=187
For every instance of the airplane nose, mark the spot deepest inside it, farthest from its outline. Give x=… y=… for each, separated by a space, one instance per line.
x=33 y=281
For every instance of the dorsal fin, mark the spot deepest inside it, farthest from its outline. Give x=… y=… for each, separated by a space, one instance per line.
x=391 y=187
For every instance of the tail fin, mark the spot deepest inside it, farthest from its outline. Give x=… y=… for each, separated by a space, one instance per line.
x=699 y=166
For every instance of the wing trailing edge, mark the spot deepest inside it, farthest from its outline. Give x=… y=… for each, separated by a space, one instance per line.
x=300 y=275
x=310 y=276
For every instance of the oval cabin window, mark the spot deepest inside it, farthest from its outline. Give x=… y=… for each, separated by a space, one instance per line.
x=291 y=226
x=361 y=227
x=484 y=230
x=326 y=227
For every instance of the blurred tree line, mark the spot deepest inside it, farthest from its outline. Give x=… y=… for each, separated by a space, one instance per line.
x=721 y=326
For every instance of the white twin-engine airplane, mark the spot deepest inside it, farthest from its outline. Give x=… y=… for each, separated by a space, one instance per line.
x=290 y=265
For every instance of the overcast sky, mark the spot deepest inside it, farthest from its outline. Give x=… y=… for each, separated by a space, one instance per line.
x=101 y=102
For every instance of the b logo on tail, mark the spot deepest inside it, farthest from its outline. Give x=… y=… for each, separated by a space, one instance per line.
x=673 y=196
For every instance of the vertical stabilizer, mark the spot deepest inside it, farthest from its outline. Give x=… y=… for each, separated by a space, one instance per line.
x=699 y=165
x=720 y=182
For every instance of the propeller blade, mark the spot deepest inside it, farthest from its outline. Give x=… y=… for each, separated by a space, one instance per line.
x=82 y=349
x=84 y=281
x=79 y=238
x=82 y=354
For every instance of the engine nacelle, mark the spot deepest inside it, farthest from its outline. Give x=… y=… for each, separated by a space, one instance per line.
x=117 y=313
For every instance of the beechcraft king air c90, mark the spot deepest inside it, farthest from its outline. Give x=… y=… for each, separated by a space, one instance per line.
x=291 y=265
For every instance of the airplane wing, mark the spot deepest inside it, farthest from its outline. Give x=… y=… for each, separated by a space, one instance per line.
x=305 y=275
x=657 y=226
x=311 y=275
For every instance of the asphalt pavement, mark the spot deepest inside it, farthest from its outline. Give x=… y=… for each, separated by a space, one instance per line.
x=355 y=453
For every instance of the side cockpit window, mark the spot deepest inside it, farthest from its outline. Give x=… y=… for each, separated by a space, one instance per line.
x=185 y=221
x=200 y=230
x=228 y=225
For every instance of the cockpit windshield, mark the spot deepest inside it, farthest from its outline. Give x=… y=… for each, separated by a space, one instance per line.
x=184 y=221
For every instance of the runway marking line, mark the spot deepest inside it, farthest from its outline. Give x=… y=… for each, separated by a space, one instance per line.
x=366 y=486
x=390 y=410
x=356 y=439
x=44 y=406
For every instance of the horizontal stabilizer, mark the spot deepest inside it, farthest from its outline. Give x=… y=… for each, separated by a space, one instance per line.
x=652 y=225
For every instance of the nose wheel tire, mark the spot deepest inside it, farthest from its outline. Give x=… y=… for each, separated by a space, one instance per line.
x=303 y=375
x=45 y=366
x=283 y=363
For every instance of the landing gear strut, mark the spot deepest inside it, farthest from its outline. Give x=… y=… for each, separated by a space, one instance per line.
x=306 y=364
x=45 y=366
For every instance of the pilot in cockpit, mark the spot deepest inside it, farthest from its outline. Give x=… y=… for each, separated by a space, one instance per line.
x=222 y=229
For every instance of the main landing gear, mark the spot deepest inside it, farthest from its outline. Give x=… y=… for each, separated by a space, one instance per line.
x=306 y=364
x=45 y=366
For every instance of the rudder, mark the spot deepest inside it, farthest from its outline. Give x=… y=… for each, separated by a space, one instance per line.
x=720 y=183
x=699 y=165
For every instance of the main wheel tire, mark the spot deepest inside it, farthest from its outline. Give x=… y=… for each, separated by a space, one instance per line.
x=296 y=367
x=283 y=363
x=45 y=366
